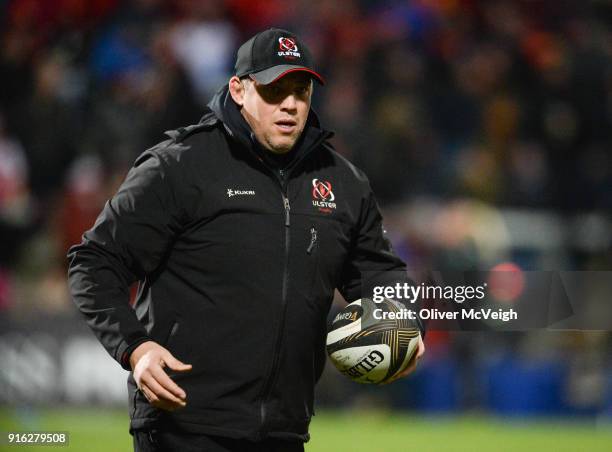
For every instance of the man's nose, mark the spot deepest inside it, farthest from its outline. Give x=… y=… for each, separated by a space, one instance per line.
x=289 y=102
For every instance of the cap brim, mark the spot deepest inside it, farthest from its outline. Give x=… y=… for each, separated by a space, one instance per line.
x=275 y=72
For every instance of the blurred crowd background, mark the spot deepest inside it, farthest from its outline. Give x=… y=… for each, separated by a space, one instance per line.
x=485 y=128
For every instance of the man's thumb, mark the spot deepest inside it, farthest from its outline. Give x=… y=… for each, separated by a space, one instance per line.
x=175 y=364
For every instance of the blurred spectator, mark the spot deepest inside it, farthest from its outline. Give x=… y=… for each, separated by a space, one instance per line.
x=48 y=125
x=204 y=42
x=17 y=214
x=83 y=199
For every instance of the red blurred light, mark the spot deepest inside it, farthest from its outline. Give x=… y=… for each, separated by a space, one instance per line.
x=506 y=282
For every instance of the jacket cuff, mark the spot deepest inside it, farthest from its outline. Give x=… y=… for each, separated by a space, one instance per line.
x=124 y=351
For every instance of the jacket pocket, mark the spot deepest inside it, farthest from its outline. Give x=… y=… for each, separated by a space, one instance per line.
x=173 y=343
x=172 y=332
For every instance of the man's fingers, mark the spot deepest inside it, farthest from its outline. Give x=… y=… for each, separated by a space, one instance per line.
x=175 y=364
x=164 y=380
x=161 y=394
x=412 y=365
x=153 y=381
x=149 y=395
x=415 y=359
x=411 y=368
x=421 y=350
x=156 y=401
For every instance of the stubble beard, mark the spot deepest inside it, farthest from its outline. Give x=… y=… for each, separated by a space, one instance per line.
x=282 y=147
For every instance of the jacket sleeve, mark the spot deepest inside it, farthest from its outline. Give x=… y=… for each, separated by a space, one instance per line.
x=126 y=243
x=372 y=261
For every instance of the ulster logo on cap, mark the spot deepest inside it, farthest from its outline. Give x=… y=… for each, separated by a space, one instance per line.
x=322 y=196
x=287 y=44
x=288 y=48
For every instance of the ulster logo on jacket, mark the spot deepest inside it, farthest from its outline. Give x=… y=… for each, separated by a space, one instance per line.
x=322 y=195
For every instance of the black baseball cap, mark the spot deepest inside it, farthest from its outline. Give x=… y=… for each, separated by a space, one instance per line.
x=273 y=53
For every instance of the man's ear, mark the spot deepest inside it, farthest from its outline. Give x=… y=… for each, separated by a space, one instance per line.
x=236 y=89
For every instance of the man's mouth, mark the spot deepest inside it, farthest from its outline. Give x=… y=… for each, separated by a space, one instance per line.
x=286 y=125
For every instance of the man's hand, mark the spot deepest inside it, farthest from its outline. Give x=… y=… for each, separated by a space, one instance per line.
x=148 y=361
x=412 y=364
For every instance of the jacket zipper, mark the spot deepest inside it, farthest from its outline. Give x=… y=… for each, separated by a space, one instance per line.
x=282 y=178
x=281 y=324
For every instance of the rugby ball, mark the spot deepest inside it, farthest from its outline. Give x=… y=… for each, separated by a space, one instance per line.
x=369 y=346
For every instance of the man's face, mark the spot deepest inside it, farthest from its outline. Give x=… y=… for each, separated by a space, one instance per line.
x=277 y=112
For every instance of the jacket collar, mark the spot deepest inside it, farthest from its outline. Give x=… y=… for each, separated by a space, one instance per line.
x=225 y=110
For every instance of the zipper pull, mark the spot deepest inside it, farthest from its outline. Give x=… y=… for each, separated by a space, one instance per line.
x=313 y=240
x=287 y=208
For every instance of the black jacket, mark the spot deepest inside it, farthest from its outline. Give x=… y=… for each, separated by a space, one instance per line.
x=237 y=262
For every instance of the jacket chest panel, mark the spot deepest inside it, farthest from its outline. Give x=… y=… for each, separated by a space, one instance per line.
x=241 y=191
x=319 y=194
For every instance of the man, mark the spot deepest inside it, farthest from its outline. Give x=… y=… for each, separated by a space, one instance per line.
x=238 y=230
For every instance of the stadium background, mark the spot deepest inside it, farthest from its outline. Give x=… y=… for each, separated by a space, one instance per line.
x=485 y=128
